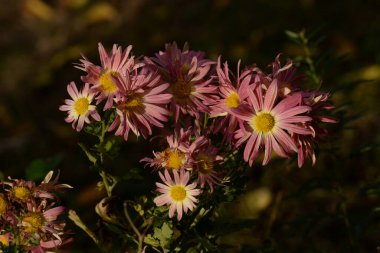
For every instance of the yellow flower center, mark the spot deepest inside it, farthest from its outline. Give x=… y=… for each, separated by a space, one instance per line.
x=81 y=106
x=181 y=91
x=174 y=160
x=106 y=82
x=233 y=100
x=21 y=193
x=263 y=122
x=3 y=205
x=205 y=163
x=178 y=192
x=4 y=240
x=33 y=222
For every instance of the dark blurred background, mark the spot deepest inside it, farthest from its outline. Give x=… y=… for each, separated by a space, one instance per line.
x=40 y=40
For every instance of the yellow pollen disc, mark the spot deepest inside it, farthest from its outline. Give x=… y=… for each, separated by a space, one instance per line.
x=181 y=91
x=33 y=222
x=81 y=106
x=263 y=122
x=233 y=100
x=174 y=160
x=178 y=193
x=106 y=82
x=4 y=240
x=3 y=205
x=21 y=193
x=205 y=163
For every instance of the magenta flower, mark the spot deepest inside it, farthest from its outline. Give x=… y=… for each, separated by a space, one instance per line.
x=177 y=193
x=318 y=102
x=269 y=124
x=204 y=158
x=140 y=103
x=79 y=108
x=113 y=64
x=232 y=93
x=186 y=71
x=285 y=75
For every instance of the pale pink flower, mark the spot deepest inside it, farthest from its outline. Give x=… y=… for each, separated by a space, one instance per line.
x=232 y=93
x=270 y=124
x=176 y=155
x=186 y=71
x=140 y=103
x=177 y=193
x=113 y=64
x=79 y=108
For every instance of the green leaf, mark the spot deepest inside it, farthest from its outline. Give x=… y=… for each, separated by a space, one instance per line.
x=151 y=241
x=90 y=157
x=163 y=234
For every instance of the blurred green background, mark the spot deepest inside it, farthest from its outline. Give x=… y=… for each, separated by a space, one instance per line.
x=40 y=41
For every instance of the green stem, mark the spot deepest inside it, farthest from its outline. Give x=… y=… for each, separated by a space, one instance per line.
x=75 y=218
x=103 y=174
x=140 y=236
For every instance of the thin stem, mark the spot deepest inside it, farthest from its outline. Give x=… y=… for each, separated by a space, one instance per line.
x=103 y=174
x=134 y=228
x=75 y=218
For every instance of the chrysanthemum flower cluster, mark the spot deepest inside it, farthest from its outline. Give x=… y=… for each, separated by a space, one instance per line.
x=29 y=215
x=206 y=111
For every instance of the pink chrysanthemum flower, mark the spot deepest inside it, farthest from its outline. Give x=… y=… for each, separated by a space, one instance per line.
x=113 y=64
x=205 y=157
x=175 y=156
x=43 y=226
x=232 y=94
x=285 y=75
x=269 y=124
x=140 y=103
x=186 y=71
x=318 y=102
x=79 y=108
x=178 y=193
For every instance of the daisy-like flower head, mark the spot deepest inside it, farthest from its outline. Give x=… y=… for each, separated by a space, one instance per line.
x=79 y=108
x=232 y=93
x=285 y=75
x=20 y=190
x=186 y=71
x=318 y=101
x=176 y=155
x=113 y=64
x=42 y=224
x=140 y=103
x=204 y=158
x=270 y=124
x=177 y=193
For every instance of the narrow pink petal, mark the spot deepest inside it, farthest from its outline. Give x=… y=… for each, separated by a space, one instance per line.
x=179 y=210
x=293 y=111
x=172 y=208
x=285 y=140
x=249 y=146
x=276 y=147
x=268 y=149
x=270 y=96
